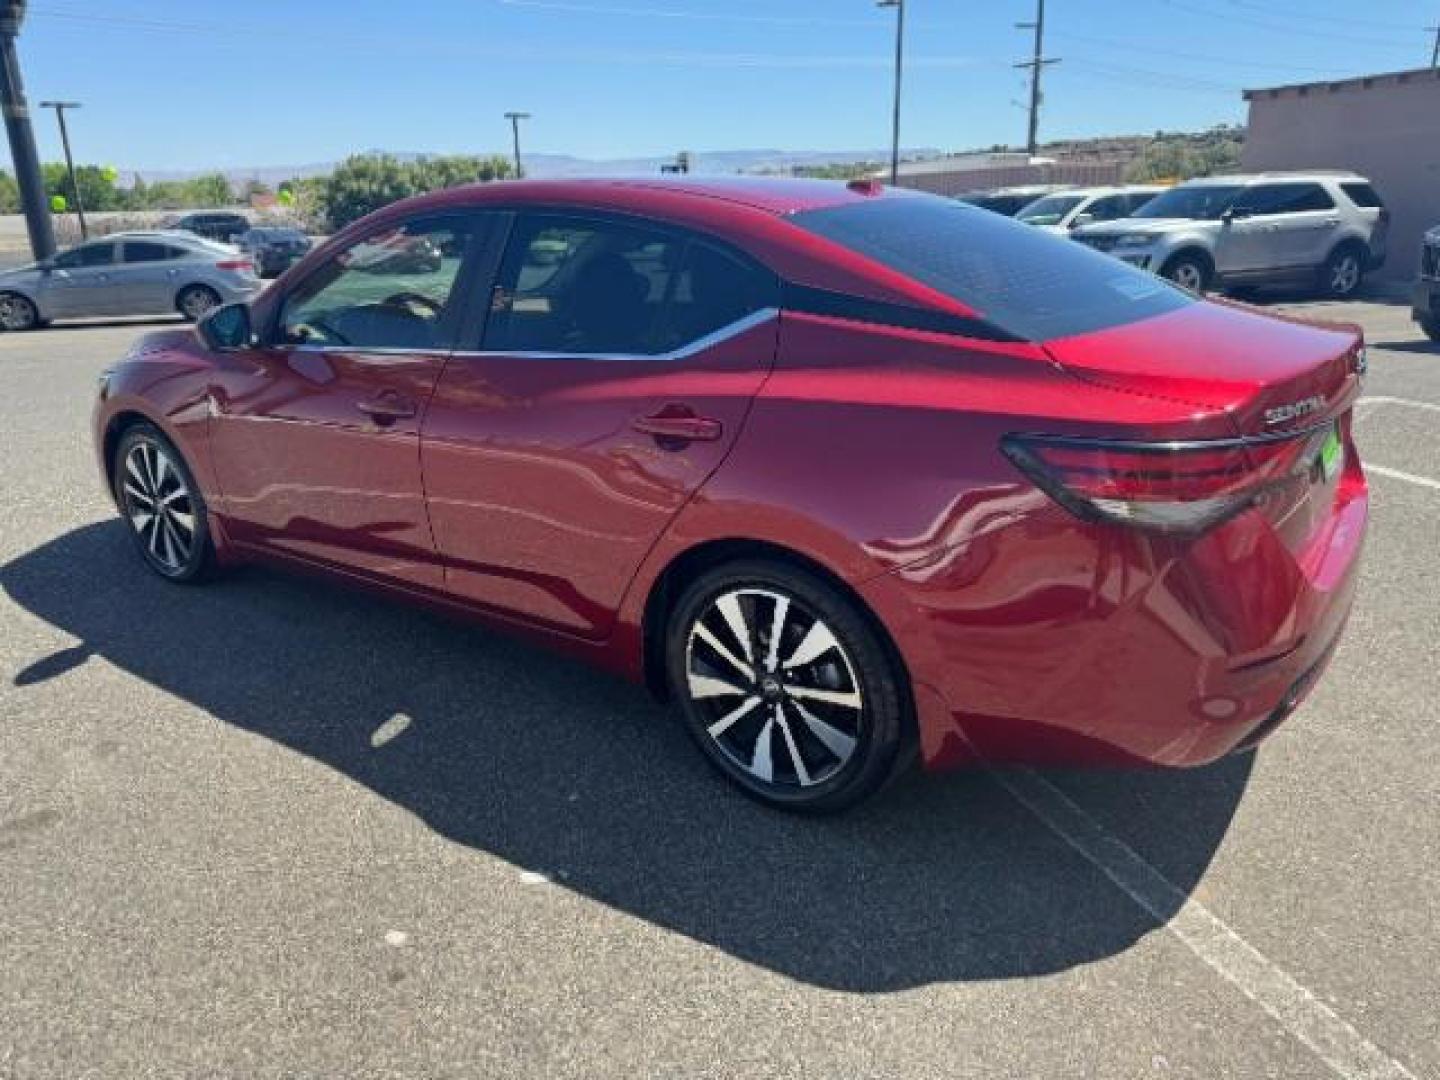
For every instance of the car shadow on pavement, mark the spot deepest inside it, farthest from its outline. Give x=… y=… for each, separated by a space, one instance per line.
x=562 y=770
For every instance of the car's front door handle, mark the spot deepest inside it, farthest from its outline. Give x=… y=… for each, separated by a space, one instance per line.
x=387 y=408
x=679 y=423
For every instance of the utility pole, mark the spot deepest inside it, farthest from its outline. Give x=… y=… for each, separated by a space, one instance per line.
x=515 y=118
x=1435 y=53
x=899 y=6
x=1037 y=63
x=60 y=107
x=22 y=134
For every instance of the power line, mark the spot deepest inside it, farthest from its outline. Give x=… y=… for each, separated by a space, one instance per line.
x=1210 y=60
x=1283 y=27
x=1302 y=13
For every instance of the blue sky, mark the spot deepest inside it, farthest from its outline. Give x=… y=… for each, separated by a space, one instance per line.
x=188 y=83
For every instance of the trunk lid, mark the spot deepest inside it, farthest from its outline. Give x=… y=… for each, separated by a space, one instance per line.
x=1272 y=376
x=1269 y=374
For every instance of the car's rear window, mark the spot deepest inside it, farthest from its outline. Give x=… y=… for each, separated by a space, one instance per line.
x=1363 y=195
x=1022 y=280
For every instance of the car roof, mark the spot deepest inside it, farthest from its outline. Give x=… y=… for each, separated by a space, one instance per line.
x=1246 y=179
x=769 y=195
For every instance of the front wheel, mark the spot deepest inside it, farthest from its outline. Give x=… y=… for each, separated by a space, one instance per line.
x=786 y=686
x=1189 y=272
x=18 y=312
x=162 y=505
x=1431 y=325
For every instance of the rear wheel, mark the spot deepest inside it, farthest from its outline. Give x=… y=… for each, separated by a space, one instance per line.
x=1189 y=271
x=1343 y=272
x=1431 y=326
x=786 y=686
x=197 y=301
x=17 y=312
x=162 y=506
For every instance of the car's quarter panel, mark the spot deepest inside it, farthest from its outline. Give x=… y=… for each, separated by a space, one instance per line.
x=875 y=453
x=305 y=472
x=543 y=495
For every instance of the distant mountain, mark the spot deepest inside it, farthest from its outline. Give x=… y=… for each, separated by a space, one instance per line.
x=563 y=165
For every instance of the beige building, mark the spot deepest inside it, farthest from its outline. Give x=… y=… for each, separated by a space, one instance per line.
x=1386 y=127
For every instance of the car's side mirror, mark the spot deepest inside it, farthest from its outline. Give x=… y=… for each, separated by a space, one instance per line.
x=227 y=328
x=1233 y=213
x=1082 y=219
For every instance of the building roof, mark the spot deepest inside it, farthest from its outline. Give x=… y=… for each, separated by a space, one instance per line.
x=1359 y=82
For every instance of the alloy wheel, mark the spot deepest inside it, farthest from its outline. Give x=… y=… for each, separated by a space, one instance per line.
x=777 y=689
x=197 y=302
x=159 y=506
x=1188 y=276
x=1344 y=275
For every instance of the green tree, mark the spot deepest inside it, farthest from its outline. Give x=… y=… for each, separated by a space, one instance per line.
x=96 y=183
x=208 y=189
x=366 y=182
x=9 y=194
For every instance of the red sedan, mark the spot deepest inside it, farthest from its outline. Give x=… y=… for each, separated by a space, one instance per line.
x=850 y=474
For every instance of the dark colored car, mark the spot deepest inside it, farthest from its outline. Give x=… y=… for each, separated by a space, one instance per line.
x=849 y=474
x=212 y=225
x=1427 y=288
x=273 y=248
x=1007 y=202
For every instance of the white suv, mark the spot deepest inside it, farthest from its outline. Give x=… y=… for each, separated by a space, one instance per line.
x=1323 y=229
x=1066 y=210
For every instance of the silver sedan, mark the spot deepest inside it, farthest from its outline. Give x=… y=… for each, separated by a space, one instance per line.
x=137 y=273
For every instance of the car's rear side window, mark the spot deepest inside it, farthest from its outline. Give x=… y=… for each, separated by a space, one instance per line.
x=136 y=251
x=1363 y=195
x=1022 y=281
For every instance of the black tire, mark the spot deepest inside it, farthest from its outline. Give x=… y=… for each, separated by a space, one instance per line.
x=18 y=313
x=141 y=484
x=196 y=301
x=1190 y=270
x=822 y=755
x=1431 y=326
x=1343 y=272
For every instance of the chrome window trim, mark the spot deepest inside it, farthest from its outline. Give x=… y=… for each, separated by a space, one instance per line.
x=710 y=340
x=683 y=352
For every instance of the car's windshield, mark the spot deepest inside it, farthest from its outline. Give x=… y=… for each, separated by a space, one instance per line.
x=1050 y=210
x=1202 y=202
x=1025 y=281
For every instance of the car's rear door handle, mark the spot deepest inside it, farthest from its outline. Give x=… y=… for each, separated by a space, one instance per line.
x=679 y=423
x=387 y=408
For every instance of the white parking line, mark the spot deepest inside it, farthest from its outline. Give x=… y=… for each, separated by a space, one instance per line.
x=1396 y=474
x=1428 y=406
x=1332 y=1038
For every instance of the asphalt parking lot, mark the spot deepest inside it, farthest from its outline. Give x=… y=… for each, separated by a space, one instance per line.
x=276 y=828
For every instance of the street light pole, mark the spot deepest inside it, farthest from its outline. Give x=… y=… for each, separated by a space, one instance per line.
x=22 y=135
x=60 y=107
x=515 y=118
x=899 y=6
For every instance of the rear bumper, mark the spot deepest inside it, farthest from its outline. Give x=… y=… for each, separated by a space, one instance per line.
x=1051 y=642
x=1425 y=301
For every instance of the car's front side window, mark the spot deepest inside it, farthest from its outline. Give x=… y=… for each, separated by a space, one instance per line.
x=89 y=255
x=394 y=289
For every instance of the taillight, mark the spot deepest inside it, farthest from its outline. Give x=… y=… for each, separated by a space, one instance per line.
x=234 y=264
x=1168 y=487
